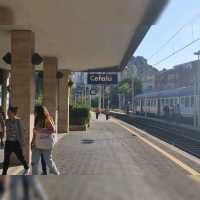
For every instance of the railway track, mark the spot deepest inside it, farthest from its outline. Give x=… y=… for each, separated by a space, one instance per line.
x=185 y=139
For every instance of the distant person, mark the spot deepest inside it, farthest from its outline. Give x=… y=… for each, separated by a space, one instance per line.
x=127 y=109
x=178 y=112
x=107 y=114
x=14 y=140
x=172 y=111
x=2 y=127
x=166 y=111
x=97 y=112
x=42 y=143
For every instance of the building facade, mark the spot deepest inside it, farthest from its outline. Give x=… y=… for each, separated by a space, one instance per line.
x=179 y=76
x=139 y=68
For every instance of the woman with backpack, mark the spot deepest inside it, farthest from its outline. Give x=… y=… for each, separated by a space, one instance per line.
x=43 y=141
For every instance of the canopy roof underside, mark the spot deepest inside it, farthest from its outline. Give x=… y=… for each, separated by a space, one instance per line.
x=83 y=35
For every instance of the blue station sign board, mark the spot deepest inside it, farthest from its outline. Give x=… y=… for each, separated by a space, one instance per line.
x=102 y=79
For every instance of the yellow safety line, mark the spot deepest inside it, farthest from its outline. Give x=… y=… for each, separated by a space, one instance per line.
x=186 y=167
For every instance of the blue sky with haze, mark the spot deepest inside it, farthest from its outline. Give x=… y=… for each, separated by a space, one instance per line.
x=177 y=14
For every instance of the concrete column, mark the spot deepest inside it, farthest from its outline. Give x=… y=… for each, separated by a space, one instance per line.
x=5 y=84
x=22 y=82
x=63 y=103
x=50 y=85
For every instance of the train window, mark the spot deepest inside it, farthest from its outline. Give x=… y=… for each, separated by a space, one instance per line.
x=187 y=102
x=192 y=101
x=142 y=102
x=166 y=101
x=182 y=100
x=175 y=101
x=171 y=102
x=163 y=102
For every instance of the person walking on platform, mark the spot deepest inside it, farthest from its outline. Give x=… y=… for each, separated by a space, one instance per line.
x=107 y=114
x=97 y=112
x=43 y=141
x=14 y=140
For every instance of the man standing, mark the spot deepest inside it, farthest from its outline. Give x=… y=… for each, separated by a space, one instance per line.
x=97 y=113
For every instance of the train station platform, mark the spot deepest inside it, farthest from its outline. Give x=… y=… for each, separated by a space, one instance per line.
x=113 y=160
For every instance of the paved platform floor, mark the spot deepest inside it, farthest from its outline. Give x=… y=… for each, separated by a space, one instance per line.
x=109 y=163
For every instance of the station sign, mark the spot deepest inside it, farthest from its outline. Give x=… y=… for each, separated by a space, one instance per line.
x=102 y=79
x=93 y=91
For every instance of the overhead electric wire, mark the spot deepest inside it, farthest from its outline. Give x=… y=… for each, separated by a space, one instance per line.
x=177 y=51
x=173 y=36
x=166 y=43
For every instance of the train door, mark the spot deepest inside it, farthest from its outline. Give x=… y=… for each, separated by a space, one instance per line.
x=158 y=107
x=192 y=105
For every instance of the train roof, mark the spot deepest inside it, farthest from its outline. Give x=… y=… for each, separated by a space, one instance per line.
x=183 y=91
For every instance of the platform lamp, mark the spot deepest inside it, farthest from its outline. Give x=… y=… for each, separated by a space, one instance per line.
x=196 y=92
x=59 y=75
x=7 y=58
x=36 y=59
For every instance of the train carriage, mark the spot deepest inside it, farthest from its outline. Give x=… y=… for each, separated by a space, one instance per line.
x=179 y=100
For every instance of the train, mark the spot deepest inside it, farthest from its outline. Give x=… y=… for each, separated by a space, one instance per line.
x=179 y=102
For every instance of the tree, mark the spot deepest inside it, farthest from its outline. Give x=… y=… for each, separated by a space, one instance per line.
x=39 y=87
x=137 y=86
x=113 y=97
x=124 y=87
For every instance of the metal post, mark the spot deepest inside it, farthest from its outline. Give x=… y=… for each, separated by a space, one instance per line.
x=85 y=94
x=75 y=99
x=119 y=101
x=132 y=94
x=195 y=97
x=90 y=97
x=108 y=102
x=197 y=92
x=145 y=103
x=100 y=97
x=103 y=95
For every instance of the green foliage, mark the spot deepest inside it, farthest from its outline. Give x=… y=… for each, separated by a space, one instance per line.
x=79 y=115
x=125 y=87
x=138 y=86
x=82 y=103
x=39 y=88
x=94 y=102
x=39 y=99
x=113 y=96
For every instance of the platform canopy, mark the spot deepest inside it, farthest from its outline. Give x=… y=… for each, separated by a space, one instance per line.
x=83 y=34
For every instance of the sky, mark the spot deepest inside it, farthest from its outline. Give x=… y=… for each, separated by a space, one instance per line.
x=179 y=14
